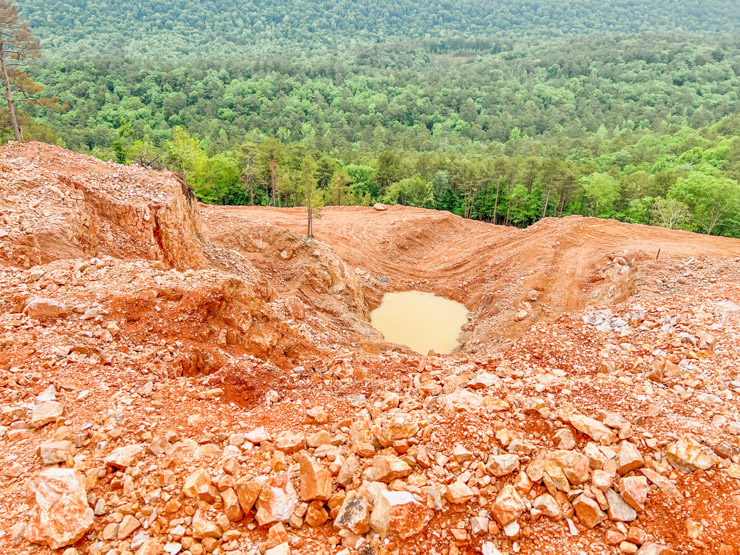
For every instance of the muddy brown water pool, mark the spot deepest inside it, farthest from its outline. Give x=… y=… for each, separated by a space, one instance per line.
x=421 y=321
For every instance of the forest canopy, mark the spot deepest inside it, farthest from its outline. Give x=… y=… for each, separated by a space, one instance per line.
x=505 y=112
x=171 y=29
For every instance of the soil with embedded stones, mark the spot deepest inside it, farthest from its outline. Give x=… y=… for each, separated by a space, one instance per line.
x=181 y=378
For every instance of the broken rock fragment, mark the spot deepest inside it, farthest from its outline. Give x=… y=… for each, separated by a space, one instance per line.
x=634 y=490
x=459 y=492
x=354 y=514
x=593 y=428
x=46 y=310
x=387 y=468
x=508 y=505
x=123 y=457
x=687 y=455
x=618 y=507
x=588 y=511
x=46 y=412
x=63 y=515
x=277 y=501
x=316 y=481
x=398 y=512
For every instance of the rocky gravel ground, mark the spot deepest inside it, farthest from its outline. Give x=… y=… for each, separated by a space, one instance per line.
x=151 y=408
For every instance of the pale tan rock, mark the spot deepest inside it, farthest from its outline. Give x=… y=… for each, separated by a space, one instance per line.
x=565 y=439
x=588 y=511
x=549 y=507
x=55 y=452
x=257 y=436
x=380 y=207
x=127 y=526
x=575 y=466
x=665 y=485
x=687 y=455
x=628 y=458
x=508 y=505
x=195 y=482
x=150 y=547
x=634 y=490
x=348 y=471
x=602 y=480
x=460 y=454
x=282 y=549
x=318 y=439
x=247 y=492
x=290 y=442
x=316 y=481
x=479 y=525
x=399 y=513
x=46 y=310
x=62 y=515
x=318 y=414
x=46 y=412
x=387 y=468
x=593 y=428
x=123 y=457
x=316 y=514
x=694 y=529
x=501 y=465
x=204 y=528
x=458 y=492
x=277 y=535
x=232 y=508
x=618 y=507
x=399 y=427
x=354 y=513
x=277 y=501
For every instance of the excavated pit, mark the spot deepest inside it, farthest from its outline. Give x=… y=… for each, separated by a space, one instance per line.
x=422 y=321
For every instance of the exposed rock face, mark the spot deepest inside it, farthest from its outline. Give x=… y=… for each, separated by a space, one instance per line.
x=62 y=515
x=102 y=208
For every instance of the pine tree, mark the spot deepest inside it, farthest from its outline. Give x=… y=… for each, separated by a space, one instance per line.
x=18 y=47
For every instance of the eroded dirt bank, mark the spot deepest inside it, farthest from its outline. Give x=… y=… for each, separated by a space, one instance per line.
x=179 y=378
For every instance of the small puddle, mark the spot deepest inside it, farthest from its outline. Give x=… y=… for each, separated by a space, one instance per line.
x=421 y=321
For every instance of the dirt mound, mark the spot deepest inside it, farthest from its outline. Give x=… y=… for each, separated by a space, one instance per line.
x=58 y=204
x=180 y=378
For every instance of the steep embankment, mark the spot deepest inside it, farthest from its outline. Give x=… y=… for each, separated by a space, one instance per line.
x=170 y=386
x=57 y=204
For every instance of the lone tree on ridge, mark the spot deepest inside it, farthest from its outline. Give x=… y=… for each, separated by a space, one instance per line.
x=18 y=47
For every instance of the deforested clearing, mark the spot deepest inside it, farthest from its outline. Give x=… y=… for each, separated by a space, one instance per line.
x=180 y=377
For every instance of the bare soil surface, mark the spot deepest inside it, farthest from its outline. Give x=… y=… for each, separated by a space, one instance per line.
x=182 y=378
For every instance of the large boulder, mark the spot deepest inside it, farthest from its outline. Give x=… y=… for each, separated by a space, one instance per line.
x=63 y=515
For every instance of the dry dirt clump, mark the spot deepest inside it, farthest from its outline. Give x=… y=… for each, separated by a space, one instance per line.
x=222 y=392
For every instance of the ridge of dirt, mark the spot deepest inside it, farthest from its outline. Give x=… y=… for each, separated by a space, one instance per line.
x=182 y=378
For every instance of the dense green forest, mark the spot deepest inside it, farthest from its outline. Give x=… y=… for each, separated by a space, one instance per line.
x=575 y=119
x=170 y=29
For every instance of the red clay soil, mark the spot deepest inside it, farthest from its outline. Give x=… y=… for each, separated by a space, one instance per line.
x=174 y=357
